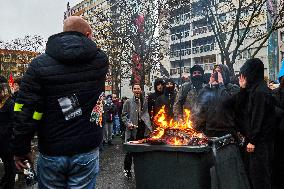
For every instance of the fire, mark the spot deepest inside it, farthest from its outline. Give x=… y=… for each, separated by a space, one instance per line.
x=160 y=120
x=175 y=132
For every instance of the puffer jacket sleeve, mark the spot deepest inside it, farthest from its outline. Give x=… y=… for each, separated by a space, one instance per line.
x=27 y=110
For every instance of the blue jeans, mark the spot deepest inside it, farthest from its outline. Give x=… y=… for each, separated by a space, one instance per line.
x=116 y=125
x=69 y=172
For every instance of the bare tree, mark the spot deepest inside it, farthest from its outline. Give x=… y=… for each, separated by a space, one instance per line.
x=241 y=25
x=28 y=43
x=15 y=55
x=128 y=31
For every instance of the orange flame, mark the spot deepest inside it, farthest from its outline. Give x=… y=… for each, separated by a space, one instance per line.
x=185 y=125
x=160 y=120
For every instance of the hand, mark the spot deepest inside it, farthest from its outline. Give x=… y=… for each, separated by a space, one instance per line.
x=19 y=161
x=242 y=81
x=220 y=78
x=250 y=148
x=212 y=79
x=130 y=126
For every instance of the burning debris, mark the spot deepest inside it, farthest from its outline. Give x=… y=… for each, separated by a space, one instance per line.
x=178 y=133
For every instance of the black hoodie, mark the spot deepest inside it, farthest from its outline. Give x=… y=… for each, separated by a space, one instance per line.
x=255 y=113
x=64 y=84
x=167 y=99
x=153 y=97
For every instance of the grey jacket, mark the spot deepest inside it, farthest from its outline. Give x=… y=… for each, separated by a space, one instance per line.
x=130 y=114
x=186 y=99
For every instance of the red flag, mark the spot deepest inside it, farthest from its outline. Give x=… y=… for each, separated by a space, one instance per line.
x=11 y=81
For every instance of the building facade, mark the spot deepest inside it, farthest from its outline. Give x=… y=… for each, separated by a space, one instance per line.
x=192 y=40
x=15 y=62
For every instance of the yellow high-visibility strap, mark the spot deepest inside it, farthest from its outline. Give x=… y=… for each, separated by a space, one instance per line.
x=37 y=116
x=18 y=107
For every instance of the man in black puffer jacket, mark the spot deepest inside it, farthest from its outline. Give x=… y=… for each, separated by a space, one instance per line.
x=56 y=98
x=208 y=107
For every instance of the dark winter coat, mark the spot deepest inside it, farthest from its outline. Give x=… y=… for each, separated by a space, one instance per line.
x=167 y=99
x=57 y=95
x=255 y=113
x=152 y=110
x=278 y=160
x=109 y=112
x=6 y=126
x=206 y=113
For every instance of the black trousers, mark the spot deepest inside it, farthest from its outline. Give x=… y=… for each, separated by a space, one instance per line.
x=140 y=135
x=8 y=180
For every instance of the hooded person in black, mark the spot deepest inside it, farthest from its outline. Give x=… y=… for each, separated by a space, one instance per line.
x=187 y=95
x=256 y=122
x=251 y=113
x=158 y=87
x=207 y=108
x=278 y=160
x=167 y=99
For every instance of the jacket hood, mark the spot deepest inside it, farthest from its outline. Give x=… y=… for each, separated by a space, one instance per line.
x=157 y=82
x=225 y=73
x=253 y=70
x=71 y=47
x=196 y=68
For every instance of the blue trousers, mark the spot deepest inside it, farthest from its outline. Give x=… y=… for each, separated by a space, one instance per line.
x=69 y=172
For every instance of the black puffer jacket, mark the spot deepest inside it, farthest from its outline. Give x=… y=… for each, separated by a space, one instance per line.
x=210 y=101
x=6 y=129
x=64 y=84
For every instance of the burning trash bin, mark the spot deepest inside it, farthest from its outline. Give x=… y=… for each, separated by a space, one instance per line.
x=175 y=156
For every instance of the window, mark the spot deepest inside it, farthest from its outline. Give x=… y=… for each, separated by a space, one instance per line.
x=186 y=33
x=189 y=51
x=222 y=18
x=282 y=37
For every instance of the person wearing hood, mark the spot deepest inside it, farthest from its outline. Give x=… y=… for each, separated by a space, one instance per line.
x=253 y=113
x=189 y=91
x=210 y=99
x=167 y=99
x=56 y=99
x=152 y=97
x=278 y=160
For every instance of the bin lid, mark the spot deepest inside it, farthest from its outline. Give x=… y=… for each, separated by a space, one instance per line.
x=130 y=147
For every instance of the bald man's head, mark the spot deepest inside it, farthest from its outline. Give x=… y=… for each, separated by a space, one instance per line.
x=76 y=23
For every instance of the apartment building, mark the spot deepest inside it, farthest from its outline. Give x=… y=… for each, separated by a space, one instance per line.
x=192 y=41
x=88 y=8
x=15 y=62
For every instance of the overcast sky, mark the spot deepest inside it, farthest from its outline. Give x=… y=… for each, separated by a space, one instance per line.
x=32 y=17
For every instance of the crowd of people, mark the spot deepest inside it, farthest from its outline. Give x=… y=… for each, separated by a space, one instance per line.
x=61 y=99
x=248 y=109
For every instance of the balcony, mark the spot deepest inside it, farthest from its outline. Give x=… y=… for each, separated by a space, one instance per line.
x=175 y=55
x=203 y=49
